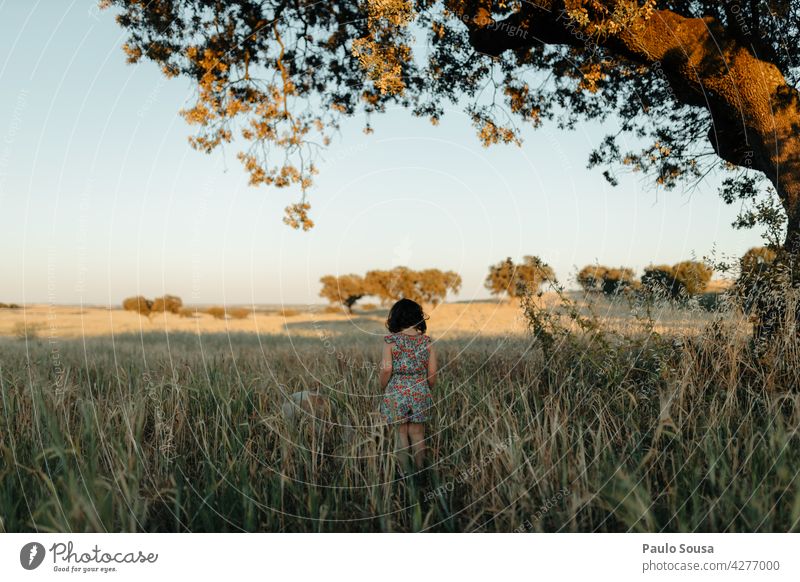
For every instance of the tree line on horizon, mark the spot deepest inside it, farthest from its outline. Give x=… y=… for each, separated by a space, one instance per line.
x=506 y=278
x=424 y=286
x=677 y=281
x=174 y=304
x=511 y=279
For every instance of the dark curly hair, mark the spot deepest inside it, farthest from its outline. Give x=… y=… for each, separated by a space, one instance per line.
x=404 y=314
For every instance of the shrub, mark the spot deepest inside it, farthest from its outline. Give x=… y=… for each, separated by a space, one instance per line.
x=216 y=312
x=693 y=276
x=239 y=312
x=711 y=301
x=139 y=304
x=678 y=281
x=617 y=280
x=758 y=279
x=590 y=278
x=659 y=281
x=167 y=304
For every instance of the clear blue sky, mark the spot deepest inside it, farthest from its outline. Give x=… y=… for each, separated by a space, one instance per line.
x=101 y=196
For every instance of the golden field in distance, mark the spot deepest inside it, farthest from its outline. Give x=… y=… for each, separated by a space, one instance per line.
x=459 y=319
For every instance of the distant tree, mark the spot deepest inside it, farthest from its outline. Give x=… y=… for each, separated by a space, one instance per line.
x=392 y=285
x=167 y=304
x=502 y=278
x=659 y=281
x=677 y=281
x=378 y=283
x=345 y=289
x=590 y=278
x=433 y=285
x=693 y=276
x=139 y=304
x=426 y=286
x=617 y=280
x=514 y=280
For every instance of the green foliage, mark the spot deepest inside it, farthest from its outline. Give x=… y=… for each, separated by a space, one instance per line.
x=514 y=280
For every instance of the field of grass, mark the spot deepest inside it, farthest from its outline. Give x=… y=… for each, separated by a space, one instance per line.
x=672 y=425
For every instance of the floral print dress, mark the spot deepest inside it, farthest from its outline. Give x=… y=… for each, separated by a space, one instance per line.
x=407 y=397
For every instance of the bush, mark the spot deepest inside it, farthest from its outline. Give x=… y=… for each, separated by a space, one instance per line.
x=659 y=281
x=239 y=312
x=216 y=312
x=756 y=276
x=693 y=276
x=711 y=301
x=139 y=304
x=188 y=312
x=617 y=280
x=590 y=278
x=167 y=304
x=678 y=281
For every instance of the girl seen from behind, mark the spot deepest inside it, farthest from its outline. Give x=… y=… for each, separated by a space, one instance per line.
x=407 y=375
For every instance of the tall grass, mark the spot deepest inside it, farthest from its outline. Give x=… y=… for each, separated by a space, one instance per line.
x=561 y=432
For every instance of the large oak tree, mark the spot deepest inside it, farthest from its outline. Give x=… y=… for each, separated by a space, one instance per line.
x=699 y=85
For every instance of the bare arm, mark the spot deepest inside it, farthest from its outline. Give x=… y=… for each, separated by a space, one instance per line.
x=432 y=368
x=385 y=367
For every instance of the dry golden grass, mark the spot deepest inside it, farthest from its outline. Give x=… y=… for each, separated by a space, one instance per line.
x=67 y=321
x=446 y=320
x=616 y=427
